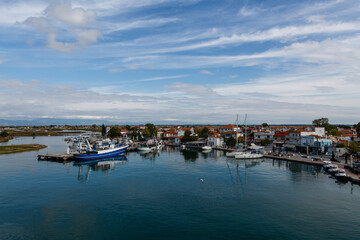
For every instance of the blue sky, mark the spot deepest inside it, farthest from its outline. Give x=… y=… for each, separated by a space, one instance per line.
x=181 y=61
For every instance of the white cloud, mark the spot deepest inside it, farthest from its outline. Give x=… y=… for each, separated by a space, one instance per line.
x=76 y=23
x=65 y=13
x=206 y=72
x=246 y=11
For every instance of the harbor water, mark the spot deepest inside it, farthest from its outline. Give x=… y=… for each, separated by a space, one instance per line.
x=172 y=194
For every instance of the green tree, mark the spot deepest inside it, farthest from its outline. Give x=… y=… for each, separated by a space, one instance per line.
x=231 y=141
x=115 y=132
x=4 y=134
x=150 y=130
x=188 y=138
x=265 y=142
x=103 y=130
x=357 y=127
x=265 y=125
x=323 y=122
x=354 y=147
x=334 y=132
x=93 y=126
x=205 y=132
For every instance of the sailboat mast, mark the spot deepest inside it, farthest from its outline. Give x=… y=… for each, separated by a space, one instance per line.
x=236 y=135
x=245 y=129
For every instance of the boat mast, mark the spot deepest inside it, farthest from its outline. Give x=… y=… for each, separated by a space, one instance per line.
x=236 y=135
x=245 y=129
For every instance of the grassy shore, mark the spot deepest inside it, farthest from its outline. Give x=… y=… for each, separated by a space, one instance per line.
x=5 y=139
x=20 y=148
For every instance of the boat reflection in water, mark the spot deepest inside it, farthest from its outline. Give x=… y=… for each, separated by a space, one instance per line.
x=104 y=165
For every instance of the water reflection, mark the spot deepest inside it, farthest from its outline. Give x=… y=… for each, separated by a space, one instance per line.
x=190 y=155
x=295 y=167
x=103 y=165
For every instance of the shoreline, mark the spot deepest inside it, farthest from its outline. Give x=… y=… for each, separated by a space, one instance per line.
x=20 y=148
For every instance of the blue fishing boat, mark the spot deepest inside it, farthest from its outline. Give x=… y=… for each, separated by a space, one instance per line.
x=93 y=154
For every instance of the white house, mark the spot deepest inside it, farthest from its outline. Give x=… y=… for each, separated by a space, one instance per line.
x=229 y=128
x=319 y=131
x=215 y=141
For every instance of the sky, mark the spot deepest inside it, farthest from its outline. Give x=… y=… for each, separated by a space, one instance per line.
x=181 y=61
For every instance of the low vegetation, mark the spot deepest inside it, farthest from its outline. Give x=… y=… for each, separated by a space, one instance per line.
x=20 y=148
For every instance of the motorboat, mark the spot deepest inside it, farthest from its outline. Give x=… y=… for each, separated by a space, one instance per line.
x=334 y=170
x=341 y=175
x=206 y=148
x=145 y=148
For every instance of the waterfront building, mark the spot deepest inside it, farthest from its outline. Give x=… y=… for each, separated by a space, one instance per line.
x=314 y=142
x=229 y=128
x=260 y=136
x=279 y=139
x=215 y=141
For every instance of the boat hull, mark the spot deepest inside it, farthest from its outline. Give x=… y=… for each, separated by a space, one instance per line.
x=101 y=154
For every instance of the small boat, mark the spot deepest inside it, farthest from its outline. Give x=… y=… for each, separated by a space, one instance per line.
x=341 y=175
x=334 y=170
x=145 y=148
x=206 y=148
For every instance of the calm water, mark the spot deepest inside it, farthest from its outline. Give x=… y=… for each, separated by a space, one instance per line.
x=161 y=197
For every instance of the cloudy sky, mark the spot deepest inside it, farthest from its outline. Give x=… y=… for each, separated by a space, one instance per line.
x=189 y=61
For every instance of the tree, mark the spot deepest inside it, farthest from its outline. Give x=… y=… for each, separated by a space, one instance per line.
x=231 y=141
x=334 y=132
x=4 y=134
x=187 y=137
x=94 y=126
x=354 y=147
x=150 y=130
x=265 y=142
x=128 y=127
x=357 y=127
x=265 y=125
x=103 y=130
x=205 y=132
x=115 y=132
x=323 y=122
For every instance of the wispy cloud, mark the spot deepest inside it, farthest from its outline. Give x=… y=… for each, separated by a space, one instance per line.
x=206 y=72
x=160 y=78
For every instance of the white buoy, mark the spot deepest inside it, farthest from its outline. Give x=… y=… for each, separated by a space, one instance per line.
x=202 y=180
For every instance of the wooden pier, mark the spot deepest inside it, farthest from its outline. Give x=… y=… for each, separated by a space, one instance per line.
x=56 y=157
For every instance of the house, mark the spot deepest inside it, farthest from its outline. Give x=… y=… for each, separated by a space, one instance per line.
x=279 y=139
x=293 y=139
x=260 y=136
x=229 y=128
x=315 y=143
x=170 y=135
x=215 y=141
x=319 y=131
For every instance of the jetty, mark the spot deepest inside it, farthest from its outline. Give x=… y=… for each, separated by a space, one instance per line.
x=56 y=157
x=296 y=159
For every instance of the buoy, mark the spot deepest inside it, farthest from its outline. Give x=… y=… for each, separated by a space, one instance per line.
x=202 y=180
